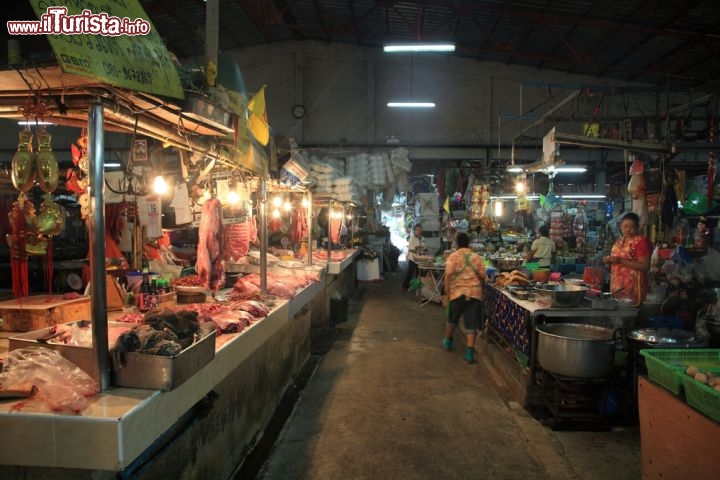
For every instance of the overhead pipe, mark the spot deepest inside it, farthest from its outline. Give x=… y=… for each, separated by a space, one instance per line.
x=98 y=299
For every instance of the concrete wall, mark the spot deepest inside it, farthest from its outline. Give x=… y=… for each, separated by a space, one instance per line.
x=345 y=90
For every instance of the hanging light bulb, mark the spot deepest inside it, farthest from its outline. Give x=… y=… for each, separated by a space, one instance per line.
x=520 y=186
x=275 y=213
x=287 y=206
x=305 y=203
x=233 y=197
x=160 y=186
x=277 y=201
x=498 y=208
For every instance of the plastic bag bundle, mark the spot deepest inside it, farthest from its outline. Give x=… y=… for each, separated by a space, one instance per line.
x=61 y=384
x=377 y=171
x=358 y=168
x=399 y=159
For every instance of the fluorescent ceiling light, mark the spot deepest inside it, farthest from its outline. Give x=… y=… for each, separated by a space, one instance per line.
x=581 y=196
x=515 y=169
x=571 y=196
x=565 y=170
x=33 y=122
x=419 y=47
x=113 y=165
x=411 y=104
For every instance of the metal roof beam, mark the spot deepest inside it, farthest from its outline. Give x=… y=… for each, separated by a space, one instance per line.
x=253 y=10
x=318 y=12
x=530 y=31
x=557 y=45
x=351 y=6
x=284 y=13
x=650 y=37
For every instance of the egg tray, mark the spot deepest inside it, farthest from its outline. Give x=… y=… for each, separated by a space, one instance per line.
x=666 y=366
x=701 y=397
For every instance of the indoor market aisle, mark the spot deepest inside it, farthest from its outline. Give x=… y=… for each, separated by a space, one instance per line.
x=388 y=402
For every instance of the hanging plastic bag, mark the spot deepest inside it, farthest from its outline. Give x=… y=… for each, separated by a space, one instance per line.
x=61 y=384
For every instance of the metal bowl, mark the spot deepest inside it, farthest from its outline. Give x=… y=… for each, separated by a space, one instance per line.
x=563 y=296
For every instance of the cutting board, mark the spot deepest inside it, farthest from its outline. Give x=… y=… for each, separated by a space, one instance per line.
x=41 y=311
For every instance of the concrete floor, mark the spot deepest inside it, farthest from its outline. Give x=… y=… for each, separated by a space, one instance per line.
x=388 y=402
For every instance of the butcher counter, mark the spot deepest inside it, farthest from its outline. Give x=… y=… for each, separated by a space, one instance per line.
x=201 y=429
x=511 y=339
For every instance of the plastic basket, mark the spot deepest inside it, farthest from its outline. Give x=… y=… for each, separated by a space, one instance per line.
x=666 y=366
x=703 y=398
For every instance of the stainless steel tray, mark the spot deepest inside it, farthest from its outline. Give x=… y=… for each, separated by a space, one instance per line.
x=154 y=372
x=134 y=370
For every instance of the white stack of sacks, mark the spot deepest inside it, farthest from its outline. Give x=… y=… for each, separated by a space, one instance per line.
x=346 y=190
x=427 y=213
x=401 y=167
x=323 y=174
x=357 y=167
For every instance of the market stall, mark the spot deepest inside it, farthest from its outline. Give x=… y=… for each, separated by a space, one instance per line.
x=511 y=329
x=204 y=345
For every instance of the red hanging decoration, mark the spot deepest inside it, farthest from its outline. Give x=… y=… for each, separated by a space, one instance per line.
x=18 y=243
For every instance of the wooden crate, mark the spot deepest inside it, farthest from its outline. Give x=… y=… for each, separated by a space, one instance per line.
x=41 y=311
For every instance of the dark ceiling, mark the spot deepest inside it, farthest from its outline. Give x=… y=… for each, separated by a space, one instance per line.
x=632 y=40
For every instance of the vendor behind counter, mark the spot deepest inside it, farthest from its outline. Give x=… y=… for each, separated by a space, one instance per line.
x=543 y=248
x=629 y=261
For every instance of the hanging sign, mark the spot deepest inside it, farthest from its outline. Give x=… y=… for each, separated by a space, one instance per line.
x=111 y=41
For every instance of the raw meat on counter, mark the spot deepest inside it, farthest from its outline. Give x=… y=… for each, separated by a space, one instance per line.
x=283 y=287
x=245 y=289
x=210 y=249
x=234 y=321
x=335 y=255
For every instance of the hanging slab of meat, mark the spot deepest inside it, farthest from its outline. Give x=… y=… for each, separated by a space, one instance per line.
x=252 y=228
x=334 y=227
x=209 y=254
x=236 y=241
x=299 y=228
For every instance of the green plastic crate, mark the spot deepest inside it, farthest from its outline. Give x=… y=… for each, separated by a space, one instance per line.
x=666 y=366
x=703 y=398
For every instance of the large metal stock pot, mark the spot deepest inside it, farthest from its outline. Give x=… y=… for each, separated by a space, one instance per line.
x=576 y=350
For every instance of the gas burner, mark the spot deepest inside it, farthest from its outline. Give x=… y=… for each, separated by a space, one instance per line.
x=576 y=403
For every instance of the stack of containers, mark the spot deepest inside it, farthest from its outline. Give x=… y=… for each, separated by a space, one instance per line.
x=427 y=213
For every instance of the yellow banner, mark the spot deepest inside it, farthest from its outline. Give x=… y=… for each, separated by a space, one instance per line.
x=137 y=62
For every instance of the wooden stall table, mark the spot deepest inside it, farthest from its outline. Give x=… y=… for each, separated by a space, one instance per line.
x=676 y=440
x=41 y=311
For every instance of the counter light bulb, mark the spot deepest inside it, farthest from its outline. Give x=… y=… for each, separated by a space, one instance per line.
x=160 y=186
x=233 y=197
x=276 y=213
x=277 y=201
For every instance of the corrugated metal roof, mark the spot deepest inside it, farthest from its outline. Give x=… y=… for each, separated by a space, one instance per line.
x=634 y=40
